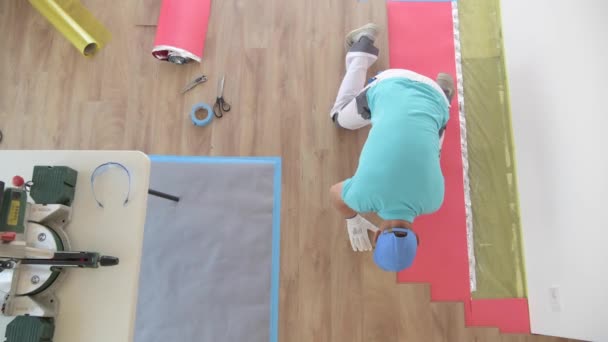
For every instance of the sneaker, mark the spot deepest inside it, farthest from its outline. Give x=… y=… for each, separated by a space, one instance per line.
x=368 y=30
x=446 y=82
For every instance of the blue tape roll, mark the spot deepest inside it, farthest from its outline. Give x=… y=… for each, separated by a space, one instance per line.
x=205 y=121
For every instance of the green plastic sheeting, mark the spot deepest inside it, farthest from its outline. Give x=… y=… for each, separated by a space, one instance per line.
x=496 y=223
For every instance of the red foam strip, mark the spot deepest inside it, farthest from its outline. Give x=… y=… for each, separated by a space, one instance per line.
x=183 y=24
x=421 y=39
x=509 y=315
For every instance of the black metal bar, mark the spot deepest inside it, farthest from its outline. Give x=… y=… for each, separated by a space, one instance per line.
x=1 y=193
x=73 y=259
x=67 y=259
x=163 y=195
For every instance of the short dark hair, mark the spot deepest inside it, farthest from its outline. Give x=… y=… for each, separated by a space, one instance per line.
x=404 y=234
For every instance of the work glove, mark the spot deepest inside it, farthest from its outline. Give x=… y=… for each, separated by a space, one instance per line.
x=357 y=232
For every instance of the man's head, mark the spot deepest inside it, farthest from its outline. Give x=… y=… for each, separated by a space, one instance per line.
x=395 y=249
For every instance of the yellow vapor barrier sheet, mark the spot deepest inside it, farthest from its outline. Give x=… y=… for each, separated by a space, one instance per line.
x=75 y=23
x=497 y=238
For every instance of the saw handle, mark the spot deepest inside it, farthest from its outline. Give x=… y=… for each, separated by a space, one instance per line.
x=106 y=260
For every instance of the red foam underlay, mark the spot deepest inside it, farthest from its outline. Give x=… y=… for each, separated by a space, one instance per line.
x=510 y=315
x=183 y=24
x=421 y=39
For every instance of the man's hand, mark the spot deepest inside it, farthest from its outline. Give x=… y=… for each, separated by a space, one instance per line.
x=357 y=232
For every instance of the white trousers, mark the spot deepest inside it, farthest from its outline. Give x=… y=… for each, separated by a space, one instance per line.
x=346 y=112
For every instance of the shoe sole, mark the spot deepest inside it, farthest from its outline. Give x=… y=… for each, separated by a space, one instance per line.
x=446 y=82
x=348 y=41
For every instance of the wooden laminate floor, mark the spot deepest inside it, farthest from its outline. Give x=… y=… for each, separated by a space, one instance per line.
x=283 y=61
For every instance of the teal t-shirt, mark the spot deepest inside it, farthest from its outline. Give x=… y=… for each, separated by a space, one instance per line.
x=399 y=176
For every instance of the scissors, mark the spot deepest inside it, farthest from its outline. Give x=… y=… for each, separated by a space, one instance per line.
x=194 y=83
x=220 y=105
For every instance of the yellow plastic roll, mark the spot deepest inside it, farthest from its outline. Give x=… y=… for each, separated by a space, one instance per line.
x=75 y=23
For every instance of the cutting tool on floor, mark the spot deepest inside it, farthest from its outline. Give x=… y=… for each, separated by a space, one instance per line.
x=200 y=79
x=220 y=105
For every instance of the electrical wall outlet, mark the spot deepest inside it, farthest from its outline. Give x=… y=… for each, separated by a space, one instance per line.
x=555 y=299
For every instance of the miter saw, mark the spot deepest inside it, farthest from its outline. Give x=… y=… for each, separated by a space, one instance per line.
x=34 y=247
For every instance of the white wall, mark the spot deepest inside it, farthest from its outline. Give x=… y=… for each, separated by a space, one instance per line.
x=557 y=62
